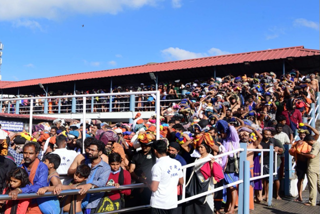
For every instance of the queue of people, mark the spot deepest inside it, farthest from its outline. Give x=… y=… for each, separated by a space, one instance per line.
x=211 y=118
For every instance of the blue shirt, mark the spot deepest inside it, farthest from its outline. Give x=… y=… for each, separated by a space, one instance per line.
x=100 y=179
x=181 y=160
x=40 y=179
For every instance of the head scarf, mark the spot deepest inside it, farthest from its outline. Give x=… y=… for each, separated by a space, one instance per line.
x=117 y=148
x=203 y=138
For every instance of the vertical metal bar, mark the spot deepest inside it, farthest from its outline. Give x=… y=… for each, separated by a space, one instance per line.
x=84 y=123
x=158 y=114
x=110 y=101
x=304 y=119
x=1 y=102
x=132 y=106
x=246 y=187
x=270 y=175
x=184 y=183
x=283 y=67
x=59 y=105
x=313 y=115
x=74 y=101
x=92 y=104
x=243 y=157
x=215 y=73
x=45 y=111
x=9 y=107
x=157 y=82
x=287 y=165
x=318 y=104
x=31 y=115
x=18 y=102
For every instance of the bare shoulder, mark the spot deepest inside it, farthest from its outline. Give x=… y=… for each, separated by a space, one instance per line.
x=79 y=158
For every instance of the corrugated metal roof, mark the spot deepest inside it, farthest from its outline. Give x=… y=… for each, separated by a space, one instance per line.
x=265 y=55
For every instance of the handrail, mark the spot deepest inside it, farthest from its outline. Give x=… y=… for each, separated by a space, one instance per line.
x=74 y=192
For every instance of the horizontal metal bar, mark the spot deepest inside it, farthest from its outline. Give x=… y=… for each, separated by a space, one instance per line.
x=259 y=150
x=204 y=160
x=210 y=192
x=74 y=192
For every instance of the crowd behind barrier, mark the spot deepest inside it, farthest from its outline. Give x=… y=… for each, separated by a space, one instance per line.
x=223 y=143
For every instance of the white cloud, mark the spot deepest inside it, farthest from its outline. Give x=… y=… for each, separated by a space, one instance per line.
x=306 y=23
x=180 y=54
x=176 y=3
x=113 y=63
x=119 y=55
x=54 y=9
x=217 y=52
x=95 y=63
x=275 y=32
x=30 y=65
x=27 y=23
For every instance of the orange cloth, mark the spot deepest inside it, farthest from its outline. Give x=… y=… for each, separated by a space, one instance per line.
x=297 y=149
x=117 y=148
x=33 y=209
x=251 y=191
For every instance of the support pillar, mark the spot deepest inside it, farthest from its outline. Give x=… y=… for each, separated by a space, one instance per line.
x=243 y=157
x=110 y=101
x=132 y=105
x=18 y=102
x=283 y=67
x=46 y=102
x=288 y=169
x=313 y=115
x=271 y=171
x=74 y=101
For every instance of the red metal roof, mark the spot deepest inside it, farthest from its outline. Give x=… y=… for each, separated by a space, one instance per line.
x=272 y=54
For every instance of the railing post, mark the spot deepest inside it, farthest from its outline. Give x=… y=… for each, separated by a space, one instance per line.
x=318 y=104
x=45 y=111
x=84 y=124
x=304 y=119
x=59 y=106
x=92 y=104
x=31 y=116
x=74 y=101
x=157 y=103
x=243 y=157
x=313 y=115
x=132 y=105
x=271 y=171
x=110 y=101
x=215 y=73
x=246 y=187
x=288 y=170
x=17 y=106
x=9 y=107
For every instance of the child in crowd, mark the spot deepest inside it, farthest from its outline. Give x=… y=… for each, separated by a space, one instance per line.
x=51 y=204
x=79 y=178
x=118 y=176
x=17 y=179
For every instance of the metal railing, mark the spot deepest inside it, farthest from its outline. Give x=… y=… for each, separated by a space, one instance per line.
x=243 y=182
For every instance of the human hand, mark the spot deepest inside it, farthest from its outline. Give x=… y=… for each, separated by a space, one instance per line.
x=57 y=189
x=84 y=188
x=116 y=185
x=14 y=194
x=42 y=190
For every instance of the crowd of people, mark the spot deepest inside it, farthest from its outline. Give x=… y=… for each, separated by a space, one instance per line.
x=212 y=117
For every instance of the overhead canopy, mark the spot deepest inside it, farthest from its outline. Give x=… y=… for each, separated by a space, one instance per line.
x=306 y=60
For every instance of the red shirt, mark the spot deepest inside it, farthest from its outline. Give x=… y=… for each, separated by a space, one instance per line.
x=114 y=195
x=296 y=116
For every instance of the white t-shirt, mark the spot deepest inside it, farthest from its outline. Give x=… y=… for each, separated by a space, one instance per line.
x=67 y=157
x=167 y=171
x=282 y=137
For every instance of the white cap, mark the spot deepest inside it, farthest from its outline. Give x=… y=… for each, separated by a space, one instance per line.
x=3 y=135
x=118 y=131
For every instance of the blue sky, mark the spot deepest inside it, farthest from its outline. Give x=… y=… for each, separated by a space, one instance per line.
x=46 y=38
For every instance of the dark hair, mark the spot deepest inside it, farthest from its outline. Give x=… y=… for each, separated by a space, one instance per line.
x=281 y=118
x=83 y=170
x=97 y=143
x=160 y=146
x=19 y=174
x=60 y=139
x=279 y=125
x=53 y=158
x=264 y=130
x=36 y=145
x=309 y=137
x=54 y=127
x=114 y=157
x=208 y=149
x=87 y=141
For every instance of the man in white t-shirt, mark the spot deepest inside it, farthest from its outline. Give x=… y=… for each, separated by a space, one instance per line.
x=67 y=157
x=166 y=175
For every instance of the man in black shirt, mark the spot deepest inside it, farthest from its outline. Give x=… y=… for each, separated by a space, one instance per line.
x=278 y=147
x=140 y=169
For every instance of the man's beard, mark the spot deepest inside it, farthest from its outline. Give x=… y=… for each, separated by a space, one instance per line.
x=172 y=155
